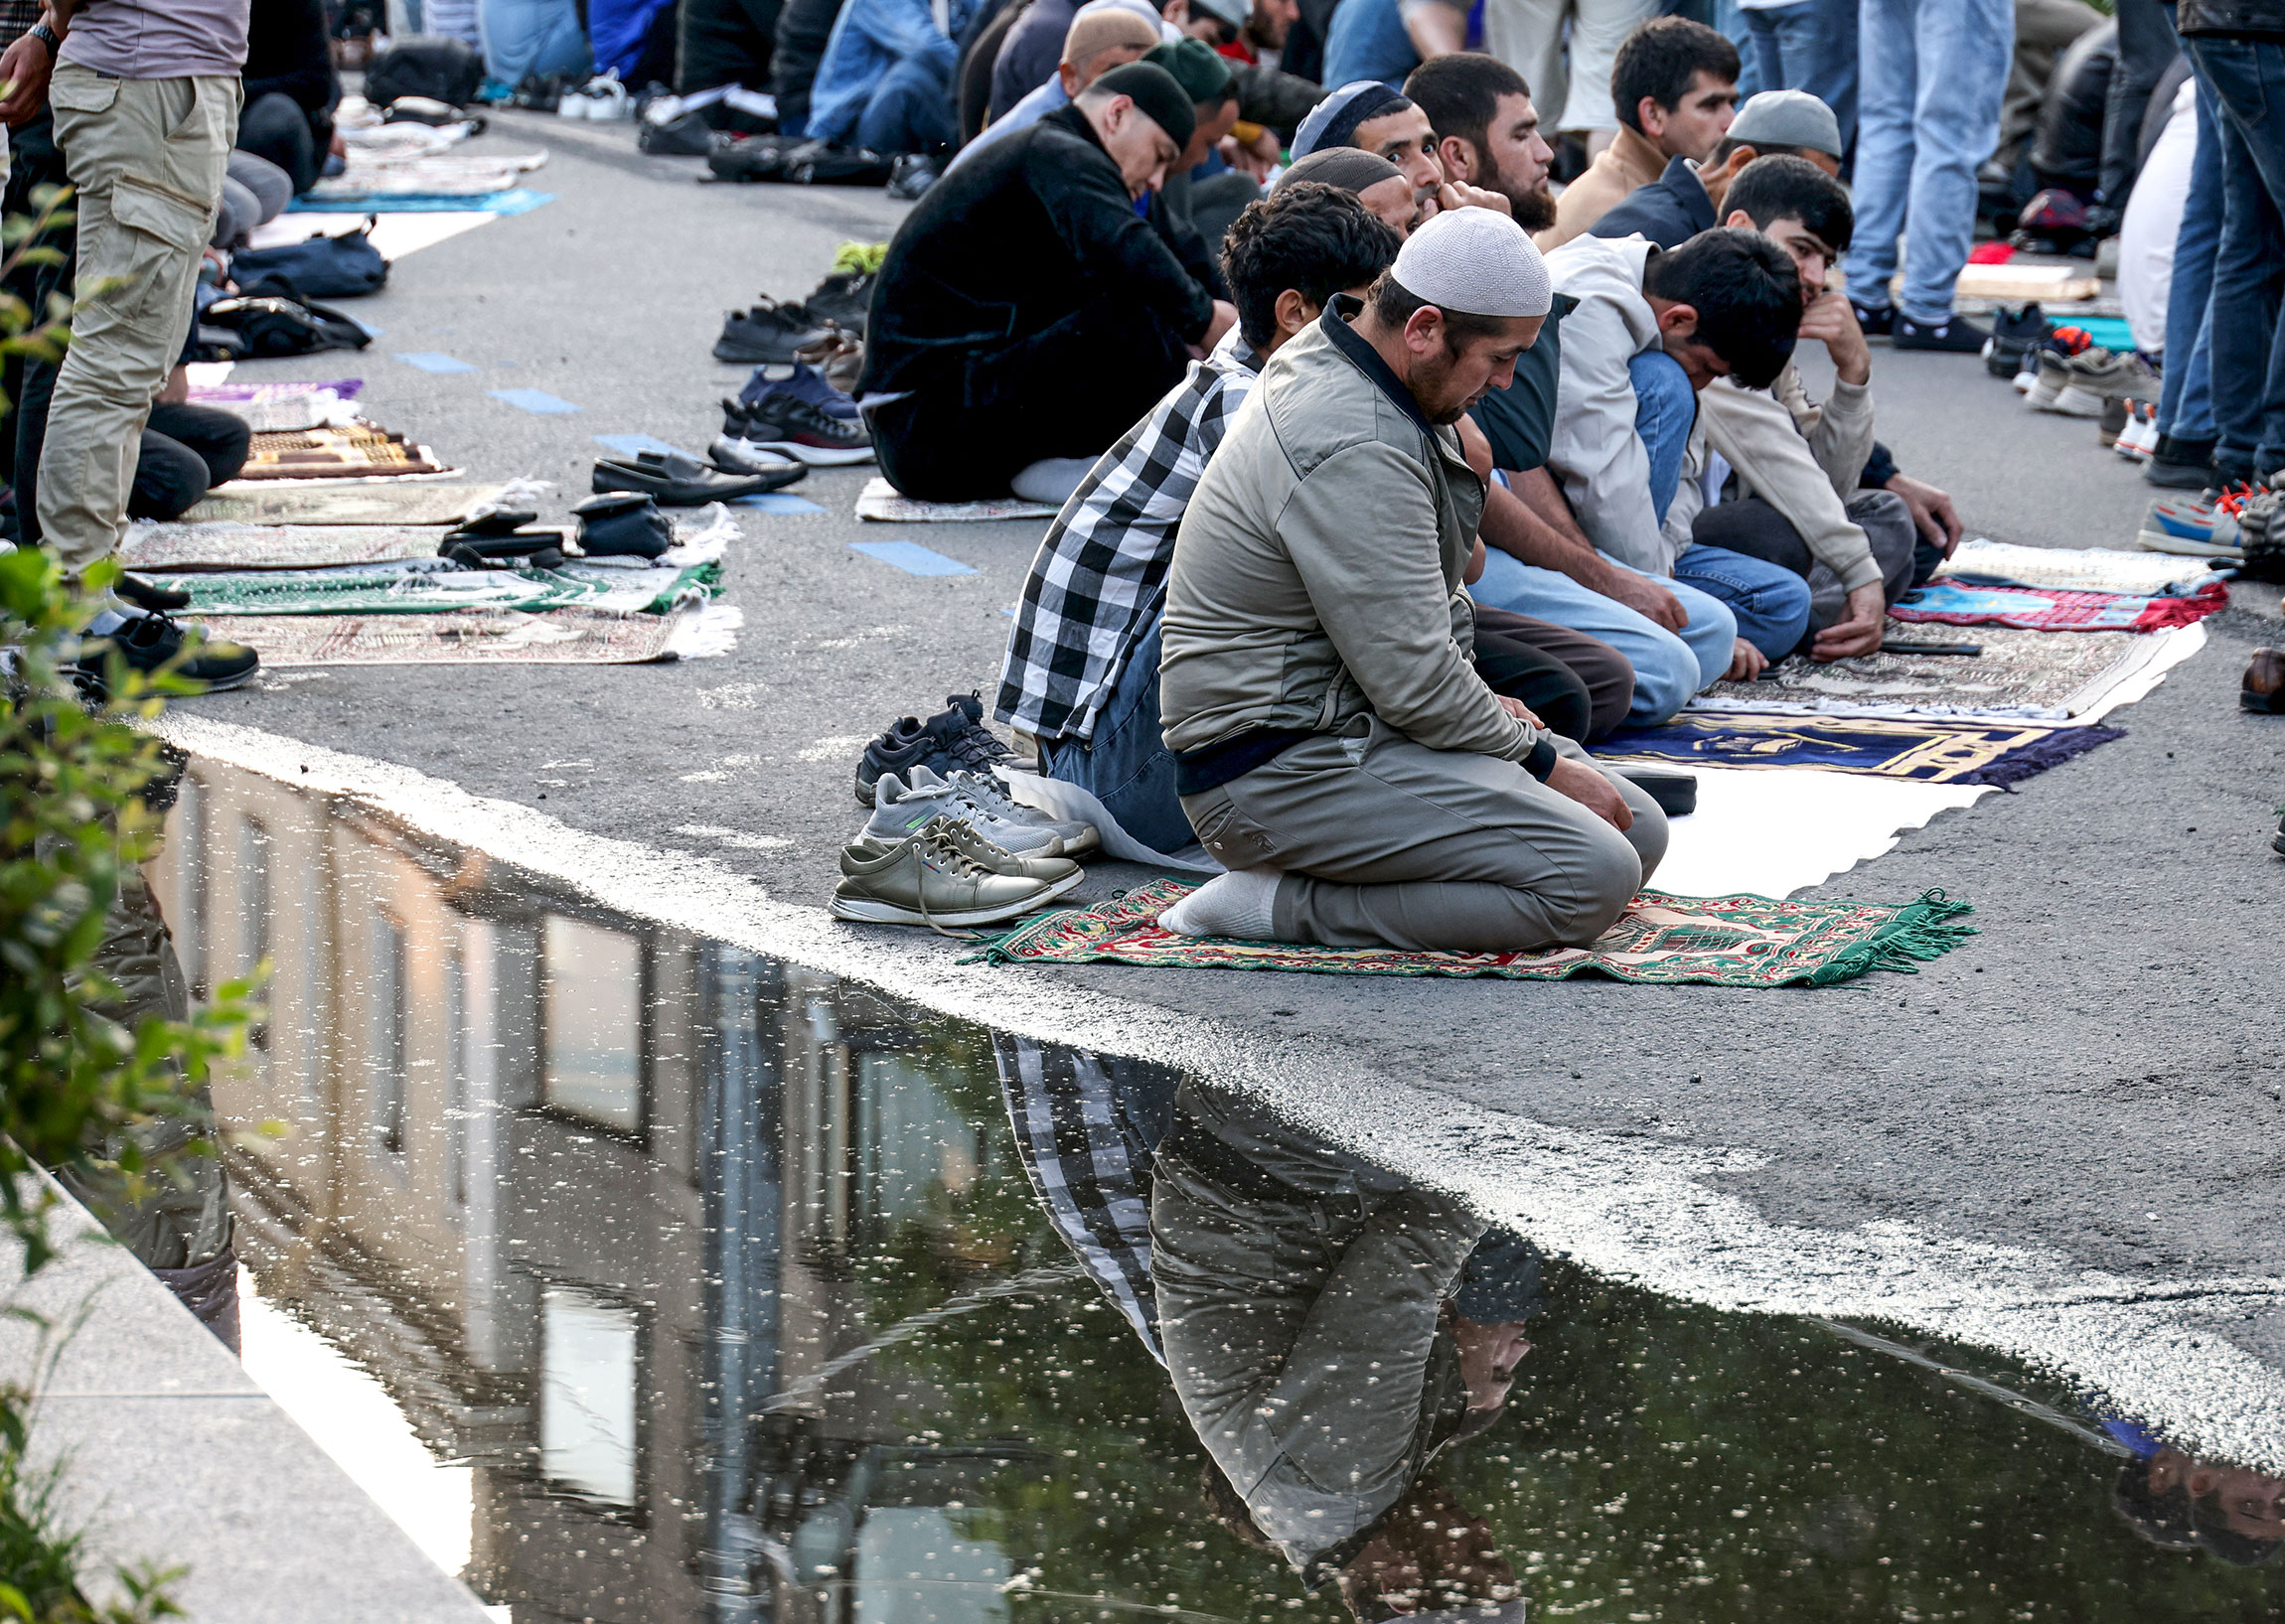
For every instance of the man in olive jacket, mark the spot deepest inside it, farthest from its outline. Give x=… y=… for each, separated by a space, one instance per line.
x=1335 y=747
x=1025 y=311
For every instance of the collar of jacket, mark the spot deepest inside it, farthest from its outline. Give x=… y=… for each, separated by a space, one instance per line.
x=1362 y=356
x=1636 y=154
x=1070 y=117
x=1681 y=179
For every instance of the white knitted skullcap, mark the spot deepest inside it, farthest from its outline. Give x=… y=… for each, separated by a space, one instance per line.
x=1476 y=261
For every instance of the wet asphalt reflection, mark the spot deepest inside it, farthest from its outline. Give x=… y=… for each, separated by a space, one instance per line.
x=751 y=1293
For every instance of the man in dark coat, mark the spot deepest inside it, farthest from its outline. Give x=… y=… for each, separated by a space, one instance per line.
x=1026 y=311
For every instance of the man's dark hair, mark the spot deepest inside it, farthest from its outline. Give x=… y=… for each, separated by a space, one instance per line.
x=1394 y=306
x=1748 y=295
x=1460 y=94
x=1657 y=61
x=1779 y=188
x=1316 y=240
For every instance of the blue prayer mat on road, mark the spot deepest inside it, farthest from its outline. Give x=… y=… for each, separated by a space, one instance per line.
x=513 y=201
x=432 y=361
x=1931 y=752
x=912 y=557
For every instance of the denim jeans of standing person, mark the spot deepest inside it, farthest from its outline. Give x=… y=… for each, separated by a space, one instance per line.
x=2247 y=78
x=1927 y=114
x=2186 y=397
x=910 y=111
x=2146 y=47
x=1809 y=45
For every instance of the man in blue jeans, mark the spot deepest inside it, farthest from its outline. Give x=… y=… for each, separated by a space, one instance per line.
x=2238 y=50
x=1806 y=44
x=1927 y=114
x=1650 y=329
x=885 y=83
x=2184 y=460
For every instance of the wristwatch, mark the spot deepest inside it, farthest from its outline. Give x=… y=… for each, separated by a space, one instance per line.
x=47 y=36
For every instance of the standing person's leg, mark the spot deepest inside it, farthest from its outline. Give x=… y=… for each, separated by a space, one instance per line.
x=1598 y=29
x=1762 y=55
x=1962 y=49
x=1381 y=841
x=2254 y=97
x=2184 y=401
x=1668 y=668
x=1886 y=36
x=36 y=161
x=1527 y=34
x=2249 y=263
x=1810 y=46
x=138 y=150
x=2147 y=46
x=1770 y=601
x=1125 y=762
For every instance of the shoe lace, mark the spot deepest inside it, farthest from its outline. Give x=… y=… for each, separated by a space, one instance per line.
x=986 y=790
x=977 y=748
x=2233 y=498
x=943 y=849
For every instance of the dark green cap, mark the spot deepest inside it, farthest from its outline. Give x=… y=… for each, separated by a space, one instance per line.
x=1155 y=91
x=1203 y=72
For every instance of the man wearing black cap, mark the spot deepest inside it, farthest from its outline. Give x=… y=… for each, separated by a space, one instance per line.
x=1026 y=310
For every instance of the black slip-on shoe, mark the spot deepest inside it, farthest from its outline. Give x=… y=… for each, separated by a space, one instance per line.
x=676 y=480
x=769 y=332
x=1876 y=321
x=735 y=456
x=1956 y=335
x=147 y=642
x=623 y=526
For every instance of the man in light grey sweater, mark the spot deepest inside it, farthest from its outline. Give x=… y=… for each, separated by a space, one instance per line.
x=1335 y=747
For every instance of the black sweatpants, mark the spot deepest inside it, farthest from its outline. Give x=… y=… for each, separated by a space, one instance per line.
x=1069 y=390
x=726 y=41
x=185 y=452
x=1605 y=681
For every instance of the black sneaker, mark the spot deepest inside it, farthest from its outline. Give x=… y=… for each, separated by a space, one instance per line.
x=1877 y=321
x=783 y=422
x=2014 y=334
x=953 y=739
x=2179 y=465
x=845 y=299
x=146 y=595
x=770 y=331
x=147 y=642
x=1952 y=335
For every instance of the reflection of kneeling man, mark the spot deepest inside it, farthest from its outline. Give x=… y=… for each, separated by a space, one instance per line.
x=1336 y=748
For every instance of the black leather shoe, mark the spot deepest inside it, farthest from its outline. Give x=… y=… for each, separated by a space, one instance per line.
x=143 y=595
x=677 y=481
x=623 y=526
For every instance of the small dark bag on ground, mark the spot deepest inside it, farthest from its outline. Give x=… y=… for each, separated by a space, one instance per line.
x=425 y=66
x=324 y=267
x=271 y=326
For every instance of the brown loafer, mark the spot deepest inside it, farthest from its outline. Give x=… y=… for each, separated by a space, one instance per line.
x=2265 y=685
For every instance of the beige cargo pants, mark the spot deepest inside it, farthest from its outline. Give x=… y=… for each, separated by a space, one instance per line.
x=147 y=159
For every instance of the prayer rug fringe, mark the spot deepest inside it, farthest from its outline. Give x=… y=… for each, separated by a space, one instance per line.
x=1733 y=941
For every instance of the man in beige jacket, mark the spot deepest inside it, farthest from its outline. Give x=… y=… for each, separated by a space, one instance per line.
x=1335 y=747
x=1675 y=84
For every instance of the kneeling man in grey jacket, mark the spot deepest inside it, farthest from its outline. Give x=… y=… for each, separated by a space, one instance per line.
x=1336 y=748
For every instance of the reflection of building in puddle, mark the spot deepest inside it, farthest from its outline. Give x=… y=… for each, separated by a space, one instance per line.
x=536 y=1166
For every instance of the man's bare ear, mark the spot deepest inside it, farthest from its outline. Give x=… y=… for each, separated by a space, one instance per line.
x=1423 y=329
x=1457 y=158
x=1679 y=321
x=1292 y=312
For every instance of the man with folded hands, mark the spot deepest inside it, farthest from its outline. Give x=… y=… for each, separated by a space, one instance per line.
x=1026 y=313
x=1334 y=748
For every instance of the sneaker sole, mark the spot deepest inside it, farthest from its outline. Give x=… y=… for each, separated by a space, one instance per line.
x=2151 y=541
x=817 y=456
x=2073 y=401
x=2042 y=397
x=871 y=911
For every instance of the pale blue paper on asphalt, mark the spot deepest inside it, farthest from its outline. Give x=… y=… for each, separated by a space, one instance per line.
x=513 y=201
x=632 y=445
x=779 y=501
x=432 y=361
x=911 y=557
x=538 y=400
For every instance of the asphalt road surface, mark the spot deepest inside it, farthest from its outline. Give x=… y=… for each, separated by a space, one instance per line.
x=2094 y=1079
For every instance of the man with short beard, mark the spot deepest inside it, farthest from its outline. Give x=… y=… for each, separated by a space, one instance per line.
x=1487 y=132
x=1333 y=746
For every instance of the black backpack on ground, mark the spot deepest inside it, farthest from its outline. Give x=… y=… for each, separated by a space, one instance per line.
x=324 y=267
x=272 y=325
x=425 y=66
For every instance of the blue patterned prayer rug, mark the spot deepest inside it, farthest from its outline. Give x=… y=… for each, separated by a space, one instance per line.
x=1930 y=752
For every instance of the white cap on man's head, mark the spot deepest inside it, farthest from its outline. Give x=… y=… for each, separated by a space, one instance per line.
x=1476 y=261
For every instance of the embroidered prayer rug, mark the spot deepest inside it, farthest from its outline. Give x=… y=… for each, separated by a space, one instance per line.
x=430 y=586
x=2075 y=569
x=272 y=547
x=2030 y=674
x=565 y=637
x=357 y=451
x=413 y=503
x=1949 y=603
x=1738 y=941
x=882 y=501
x=1923 y=752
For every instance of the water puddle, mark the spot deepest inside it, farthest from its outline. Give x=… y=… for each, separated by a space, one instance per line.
x=728 y=1289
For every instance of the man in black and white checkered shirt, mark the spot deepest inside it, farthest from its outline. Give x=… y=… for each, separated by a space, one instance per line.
x=1081 y=669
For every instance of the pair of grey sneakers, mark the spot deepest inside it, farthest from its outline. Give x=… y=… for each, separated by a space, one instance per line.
x=958 y=851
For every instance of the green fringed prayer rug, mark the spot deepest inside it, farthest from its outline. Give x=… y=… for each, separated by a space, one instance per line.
x=1739 y=940
x=421 y=587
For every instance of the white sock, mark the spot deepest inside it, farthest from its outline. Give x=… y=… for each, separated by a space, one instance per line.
x=1052 y=479
x=1238 y=904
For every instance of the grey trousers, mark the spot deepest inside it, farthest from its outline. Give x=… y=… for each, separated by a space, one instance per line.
x=1384 y=843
